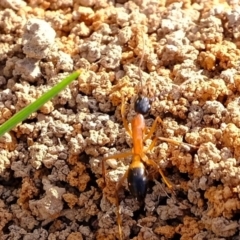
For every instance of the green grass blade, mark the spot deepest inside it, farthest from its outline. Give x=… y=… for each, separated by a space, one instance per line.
x=25 y=112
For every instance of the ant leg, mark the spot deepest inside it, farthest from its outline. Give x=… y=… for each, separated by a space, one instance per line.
x=119 y=219
x=152 y=129
x=158 y=169
x=115 y=156
x=176 y=142
x=125 y=123
x=152 y=163
x=153 y=143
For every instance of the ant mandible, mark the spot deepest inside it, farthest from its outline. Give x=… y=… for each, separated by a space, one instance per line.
x=136 y=174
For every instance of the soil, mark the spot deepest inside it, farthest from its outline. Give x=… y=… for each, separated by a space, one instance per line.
x=184 y=56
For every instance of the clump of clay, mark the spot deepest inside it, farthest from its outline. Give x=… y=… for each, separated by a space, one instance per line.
x=38 y=38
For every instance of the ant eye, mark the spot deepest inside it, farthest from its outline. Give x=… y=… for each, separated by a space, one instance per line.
x=142 y=105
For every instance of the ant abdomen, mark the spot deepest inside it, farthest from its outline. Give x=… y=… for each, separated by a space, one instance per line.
x=137 y=182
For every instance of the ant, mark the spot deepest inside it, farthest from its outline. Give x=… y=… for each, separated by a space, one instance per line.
x=136 y=174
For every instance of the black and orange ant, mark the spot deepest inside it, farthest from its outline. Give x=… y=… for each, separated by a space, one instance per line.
x=136 y=174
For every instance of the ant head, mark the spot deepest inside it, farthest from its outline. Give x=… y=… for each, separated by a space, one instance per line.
x=142 y=105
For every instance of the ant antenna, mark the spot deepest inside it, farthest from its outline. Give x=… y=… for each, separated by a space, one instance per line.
x=142 y=104
x=140 y=92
